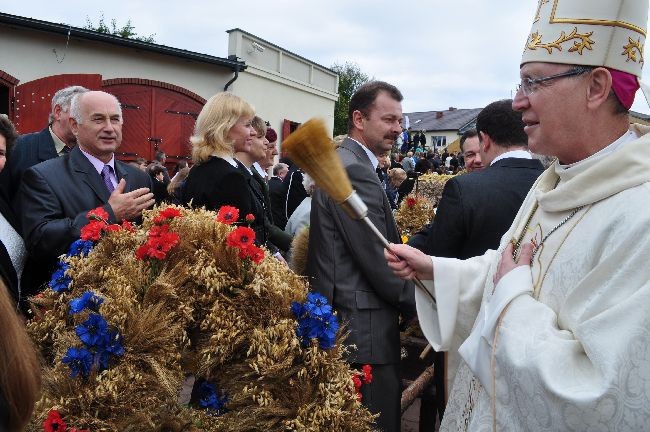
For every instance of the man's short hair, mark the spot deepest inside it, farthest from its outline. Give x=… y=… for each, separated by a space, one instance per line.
x=279 y=167
x=364 y=98
x=155 y=169
x=503 y=124
x=8 y=131
x=465 y=136
x=75 y=106
x=159 y=156
x=63 y=98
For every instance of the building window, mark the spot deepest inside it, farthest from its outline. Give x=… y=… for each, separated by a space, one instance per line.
x=439 y=141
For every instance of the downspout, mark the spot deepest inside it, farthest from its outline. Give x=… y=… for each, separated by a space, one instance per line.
x=225 y=88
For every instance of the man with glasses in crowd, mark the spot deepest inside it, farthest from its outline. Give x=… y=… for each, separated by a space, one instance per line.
x=554 y=324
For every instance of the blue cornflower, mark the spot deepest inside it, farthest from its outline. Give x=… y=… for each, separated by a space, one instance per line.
x=102 y=358
x=80 y=247
x=316 y=321
x=109 y=347
x=317 y=304
x=93 y=331
x=87 y=300
x=113 y=343
x=327 y=336
x=298 y=309
x=112 y=347
x=210 y=400
x=80 y=361
x=60 y=282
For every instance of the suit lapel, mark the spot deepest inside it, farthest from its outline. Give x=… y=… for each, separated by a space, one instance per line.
x=122 y=173
x=46 y=147
x=91 y=177
x=391 y=228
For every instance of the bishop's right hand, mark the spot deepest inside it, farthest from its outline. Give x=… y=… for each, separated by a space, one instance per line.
x=408 y=262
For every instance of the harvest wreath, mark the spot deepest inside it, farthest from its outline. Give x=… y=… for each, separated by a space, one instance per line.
x=133 y=311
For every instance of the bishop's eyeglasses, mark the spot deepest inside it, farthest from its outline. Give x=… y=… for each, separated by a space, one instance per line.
x=531 y=85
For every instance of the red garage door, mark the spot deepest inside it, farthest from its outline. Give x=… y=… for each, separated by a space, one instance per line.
x=32 y=103
x=157 y=115
x=155 y=118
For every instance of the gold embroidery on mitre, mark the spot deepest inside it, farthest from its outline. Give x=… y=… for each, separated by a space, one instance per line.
x=539 y=9
x=591 y=21
x=631 y=50
x=583 y=41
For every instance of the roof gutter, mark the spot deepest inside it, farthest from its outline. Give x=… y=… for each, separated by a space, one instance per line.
x=71 y=31
x=237 y=64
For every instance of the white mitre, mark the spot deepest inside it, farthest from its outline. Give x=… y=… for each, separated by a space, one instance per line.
x=608 y=33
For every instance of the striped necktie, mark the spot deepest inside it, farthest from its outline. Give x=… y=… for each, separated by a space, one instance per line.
x=106 y=176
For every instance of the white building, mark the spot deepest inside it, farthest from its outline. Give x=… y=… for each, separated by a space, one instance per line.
x=161 y=88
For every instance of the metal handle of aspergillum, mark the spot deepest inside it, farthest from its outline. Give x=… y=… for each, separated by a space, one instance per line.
x=357 y=209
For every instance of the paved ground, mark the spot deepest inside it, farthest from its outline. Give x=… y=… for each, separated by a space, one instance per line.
x=410 y=419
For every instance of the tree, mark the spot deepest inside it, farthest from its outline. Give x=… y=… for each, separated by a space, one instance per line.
x=350 y=79
x=127 y=31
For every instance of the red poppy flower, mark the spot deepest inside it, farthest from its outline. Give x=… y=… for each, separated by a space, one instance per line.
x=250 y=218
x=253 y=252
x=367 y=374
x=98 y=214
x=112 y=228
x=228 y=215
x=127 y=226
x=241 y=237
x=357 y=382
x=54 y=422
x=411 y=202
x=168 y=213
x=159 y=243
x=92 y=230
x=256 y=254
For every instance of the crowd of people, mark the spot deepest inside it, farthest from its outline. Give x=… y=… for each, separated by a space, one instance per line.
x=535 y=282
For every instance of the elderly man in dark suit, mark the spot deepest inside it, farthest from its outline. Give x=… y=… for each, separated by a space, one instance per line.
x=345 y=262
x=56 y=195
x=55 y=140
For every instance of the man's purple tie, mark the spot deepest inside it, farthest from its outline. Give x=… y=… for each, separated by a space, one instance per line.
x=106 y=176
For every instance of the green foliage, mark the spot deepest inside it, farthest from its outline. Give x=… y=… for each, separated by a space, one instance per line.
x=126 y=31
x=350 y=79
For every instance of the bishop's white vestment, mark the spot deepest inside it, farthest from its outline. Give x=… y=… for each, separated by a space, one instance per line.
x=565 y=343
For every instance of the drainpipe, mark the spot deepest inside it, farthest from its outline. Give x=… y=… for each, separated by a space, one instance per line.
x=232 y=57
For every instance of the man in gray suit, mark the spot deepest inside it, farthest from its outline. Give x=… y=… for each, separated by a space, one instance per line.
x=345 y=262
x=55 y=195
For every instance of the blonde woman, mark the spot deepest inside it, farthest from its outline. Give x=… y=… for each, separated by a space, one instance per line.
x=400 y=181
x=223 y=125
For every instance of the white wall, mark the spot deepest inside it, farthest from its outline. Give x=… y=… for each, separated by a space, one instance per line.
x=282 y=85
x=451 y=136
x=28 y=55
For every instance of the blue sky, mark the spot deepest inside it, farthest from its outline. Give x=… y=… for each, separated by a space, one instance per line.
x=461 y=53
